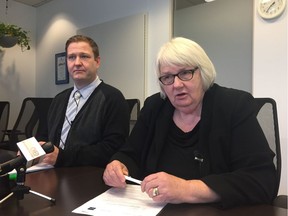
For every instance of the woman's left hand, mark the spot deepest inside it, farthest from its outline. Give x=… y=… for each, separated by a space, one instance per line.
x=163 y=187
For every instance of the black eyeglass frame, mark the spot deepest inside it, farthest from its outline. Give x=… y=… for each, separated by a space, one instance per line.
x=192 y=71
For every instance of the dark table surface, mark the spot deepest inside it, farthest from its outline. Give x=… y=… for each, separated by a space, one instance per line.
x=72 y=187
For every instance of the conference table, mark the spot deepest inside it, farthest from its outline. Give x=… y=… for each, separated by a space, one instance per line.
x=72 y=187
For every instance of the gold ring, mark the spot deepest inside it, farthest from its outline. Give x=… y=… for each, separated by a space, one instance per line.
x=155 y=192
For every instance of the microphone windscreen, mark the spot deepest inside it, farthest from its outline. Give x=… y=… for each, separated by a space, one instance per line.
x=48 y=147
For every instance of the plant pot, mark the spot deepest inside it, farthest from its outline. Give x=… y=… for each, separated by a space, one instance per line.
x=8 y=41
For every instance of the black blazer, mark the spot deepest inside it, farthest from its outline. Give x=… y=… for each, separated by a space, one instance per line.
x=238 y=163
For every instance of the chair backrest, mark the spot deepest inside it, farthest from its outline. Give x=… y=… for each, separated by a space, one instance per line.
x=4 y=118
x=134 y=106
x=268 y=119
x=32 y=119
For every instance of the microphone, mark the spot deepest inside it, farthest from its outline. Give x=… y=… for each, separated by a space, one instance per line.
x=198 y=157
x=19 y=160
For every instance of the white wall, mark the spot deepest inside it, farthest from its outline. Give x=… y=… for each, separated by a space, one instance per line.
x=122 y=42
x=228 y=42
x=59 y=19
x=17 y=68
x=270 y=73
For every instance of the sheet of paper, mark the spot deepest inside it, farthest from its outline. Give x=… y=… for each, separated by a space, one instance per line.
x=121 y=201
x=36 y=167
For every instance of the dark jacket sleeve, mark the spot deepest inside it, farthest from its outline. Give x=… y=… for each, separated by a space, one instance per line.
x=137 y=149
x=241 y=162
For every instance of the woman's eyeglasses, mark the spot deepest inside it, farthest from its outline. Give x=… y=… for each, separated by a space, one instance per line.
x=182 y=75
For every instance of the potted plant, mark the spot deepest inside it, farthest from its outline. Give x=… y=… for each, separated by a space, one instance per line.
x=11 y=35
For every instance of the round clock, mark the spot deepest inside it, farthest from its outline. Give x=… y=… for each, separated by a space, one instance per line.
x=269 y=9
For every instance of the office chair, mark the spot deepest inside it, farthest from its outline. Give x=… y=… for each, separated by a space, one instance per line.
x=4 y=118
x=31 y=121
x=268 y=120
x=134 y=106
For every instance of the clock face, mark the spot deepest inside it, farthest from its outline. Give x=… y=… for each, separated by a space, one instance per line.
x=269 y=9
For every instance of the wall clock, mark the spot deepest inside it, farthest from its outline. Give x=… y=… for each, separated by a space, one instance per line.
x=270 y=9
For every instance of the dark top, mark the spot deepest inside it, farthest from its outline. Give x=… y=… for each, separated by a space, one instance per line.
x=181 y=145
x=99 y=129
x=237 y=161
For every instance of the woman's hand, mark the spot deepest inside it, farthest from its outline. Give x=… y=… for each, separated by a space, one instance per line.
x=114 y=174
x=163 y=187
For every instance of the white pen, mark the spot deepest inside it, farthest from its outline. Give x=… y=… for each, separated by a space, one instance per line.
x=41 y=195
x=129 y=178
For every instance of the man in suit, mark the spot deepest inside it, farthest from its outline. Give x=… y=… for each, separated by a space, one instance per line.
x=100 y=124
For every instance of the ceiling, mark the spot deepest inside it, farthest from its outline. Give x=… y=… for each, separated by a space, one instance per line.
x=179 y=4
x=33 y=3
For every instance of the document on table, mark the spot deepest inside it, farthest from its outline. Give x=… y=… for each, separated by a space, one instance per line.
x=35 y=168
x=121 y=201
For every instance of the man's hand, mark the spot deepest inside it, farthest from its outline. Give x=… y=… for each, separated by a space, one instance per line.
x=50 y=158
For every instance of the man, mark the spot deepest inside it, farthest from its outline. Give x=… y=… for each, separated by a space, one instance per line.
x=101 y=122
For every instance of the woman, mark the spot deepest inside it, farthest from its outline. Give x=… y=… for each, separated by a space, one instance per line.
x=195 y=141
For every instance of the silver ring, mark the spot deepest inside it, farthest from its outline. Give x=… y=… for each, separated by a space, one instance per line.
x=155 y=192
